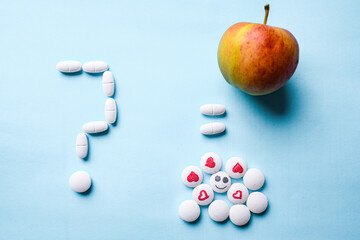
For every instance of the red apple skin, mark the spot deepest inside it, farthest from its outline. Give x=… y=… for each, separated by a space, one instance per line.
x=257 y=58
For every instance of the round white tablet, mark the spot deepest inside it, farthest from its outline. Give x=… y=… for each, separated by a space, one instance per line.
x=189 y=211
x=257 y=202
x=220 y=182
x=254 y=179
x=238 y=193
x=210 y=163
x=203 y=194
x=218 y=211
x=236 y=167
x=192 y=176
x=80 y=181
x=239 y=215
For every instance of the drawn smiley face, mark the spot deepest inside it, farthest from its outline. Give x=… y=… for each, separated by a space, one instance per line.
x=220 y=182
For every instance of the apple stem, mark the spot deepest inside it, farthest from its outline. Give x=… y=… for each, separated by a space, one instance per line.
x=267 y=9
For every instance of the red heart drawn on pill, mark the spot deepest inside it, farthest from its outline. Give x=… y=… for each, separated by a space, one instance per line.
x=210 y=162
x=238 y=168
x=193 y=177
x=203 y=195
x=237 y=194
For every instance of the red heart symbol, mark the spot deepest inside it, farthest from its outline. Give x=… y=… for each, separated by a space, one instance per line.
x=238 y=168
x=203 y=195
x=210 y=162
x=237 y=194
x=193 y=177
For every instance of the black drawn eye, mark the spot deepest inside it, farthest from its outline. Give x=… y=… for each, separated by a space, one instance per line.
x=217 y=178
x=225 y=179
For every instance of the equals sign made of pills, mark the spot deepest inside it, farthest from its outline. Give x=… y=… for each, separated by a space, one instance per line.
x=215 y=127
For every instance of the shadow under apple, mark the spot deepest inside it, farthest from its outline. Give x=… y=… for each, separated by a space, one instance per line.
x=277 y=103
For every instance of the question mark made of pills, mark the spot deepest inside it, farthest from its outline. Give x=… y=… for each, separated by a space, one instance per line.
x=80 y=181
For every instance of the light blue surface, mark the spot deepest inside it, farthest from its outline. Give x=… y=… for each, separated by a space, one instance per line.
x=304 y=138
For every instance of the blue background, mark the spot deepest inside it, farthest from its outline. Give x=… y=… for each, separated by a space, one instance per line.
x=162 y=53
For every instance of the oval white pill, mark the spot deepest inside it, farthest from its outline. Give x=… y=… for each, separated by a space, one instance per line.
x=192 y=176
x=212 y=128
x=212 y=109
x=239 y=215
x=95 y=67
x=189 y=211
x=108 y=83
x=236 y=167
x=257 y=202
x=220 y=182
x=210 y=163
x=95 y=127
x=110 y=110
x=218 y=211
x=203 y=194
x=68 y=66
x=238 y=193
x=80 y=181
x=254 y=179
x=82 y=145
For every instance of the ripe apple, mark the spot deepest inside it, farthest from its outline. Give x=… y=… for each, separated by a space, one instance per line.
x=257 y=58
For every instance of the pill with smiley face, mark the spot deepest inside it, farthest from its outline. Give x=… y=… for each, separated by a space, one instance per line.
x=220 y=182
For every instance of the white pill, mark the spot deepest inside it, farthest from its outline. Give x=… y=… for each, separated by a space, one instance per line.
x=95 y=67
x=108 y=83
x=189 y=211
x=68 y=66
x=110 y=110
x=95 y=127
x=192 y=176
x=239 y=215
x=257 y=202
x=212 y=109
x=218 y=211
x=238 y=193
x=212 y=128
x=80 y=181
x=82 y=145
x=220 y=182
x=203 y=194
x=210 y=163
x=254 y=179
x=236 y=167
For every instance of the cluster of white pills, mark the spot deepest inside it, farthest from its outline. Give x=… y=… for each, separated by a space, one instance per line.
x=215 y=127
x=220 y=182
x=80 y=181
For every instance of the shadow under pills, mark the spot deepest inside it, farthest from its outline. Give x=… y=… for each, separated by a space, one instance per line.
x=73 y=74
x=215 y=135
